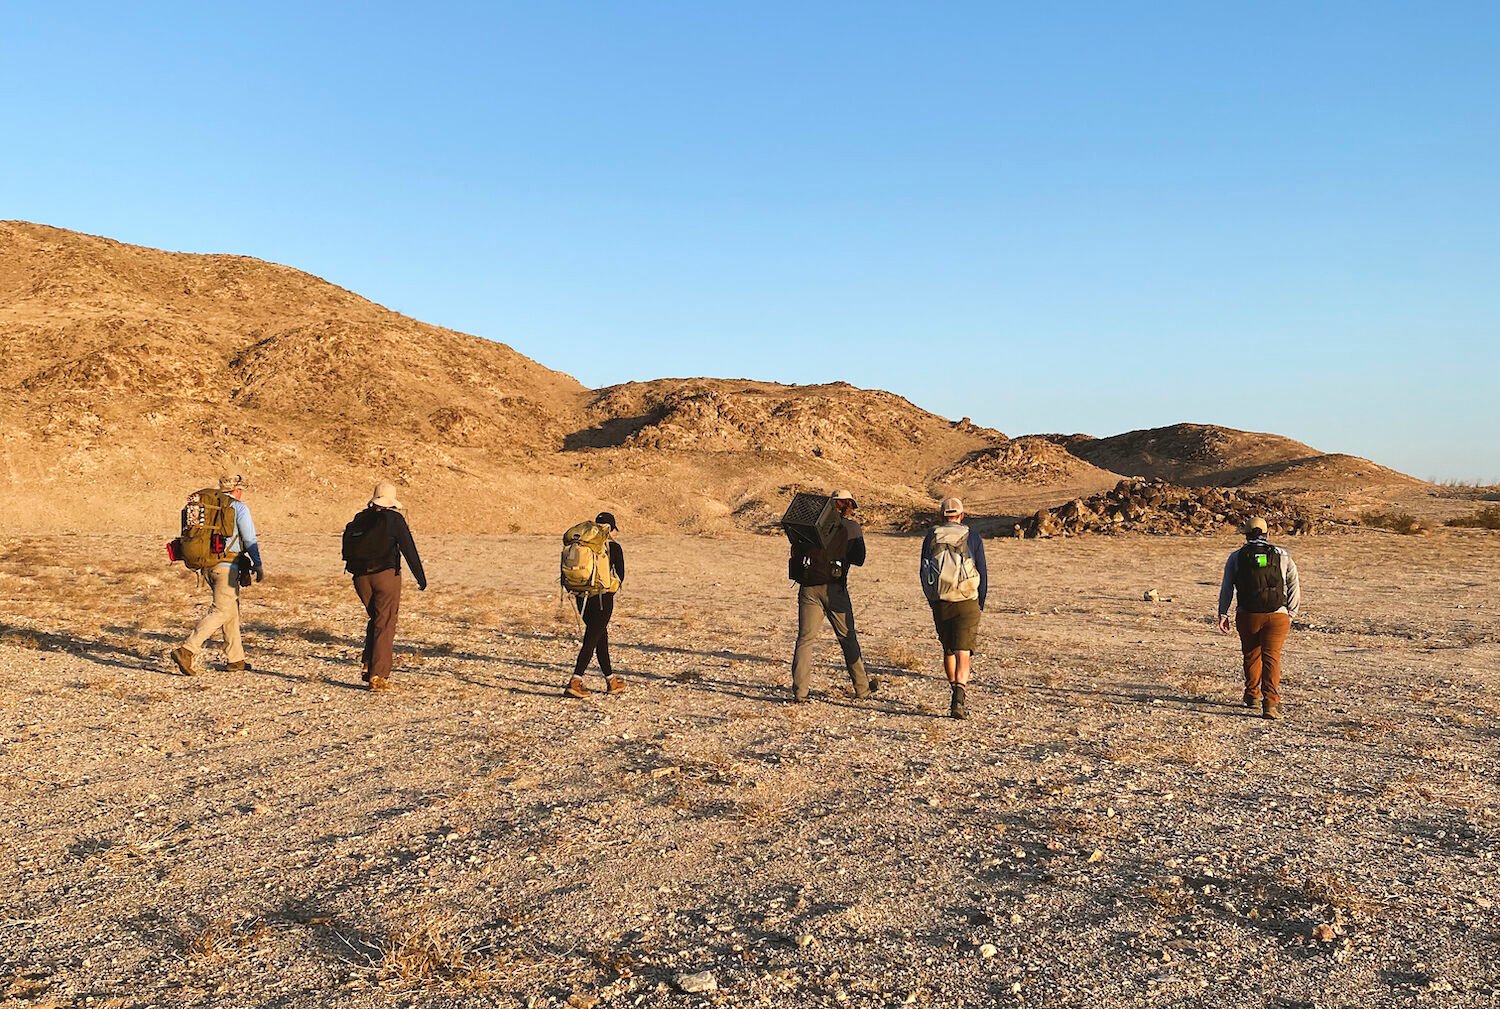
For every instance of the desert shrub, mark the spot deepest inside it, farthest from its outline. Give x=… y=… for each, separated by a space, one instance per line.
x=1404 y=523
x=1487 y=517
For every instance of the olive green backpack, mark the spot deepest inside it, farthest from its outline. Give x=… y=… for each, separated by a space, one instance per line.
x=208 y=527
x=585 y=568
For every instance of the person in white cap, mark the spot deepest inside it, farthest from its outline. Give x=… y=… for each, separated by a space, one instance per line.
x=823 y=593
x=1265 y=579
x=955 y=581
x=374 y=542
x=224 y=581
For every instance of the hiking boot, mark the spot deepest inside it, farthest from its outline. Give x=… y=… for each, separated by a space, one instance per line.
x=1271 y=710
x=614 y=684
x=184 y=660
x=1252 y=700
x=575 y=688
x=874 y=684
x=801 y=699
x=958 y=708
x=237 y=667
x=364 y=670
x=379 y=683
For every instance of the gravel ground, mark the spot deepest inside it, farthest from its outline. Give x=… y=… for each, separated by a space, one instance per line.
x=1111 y=829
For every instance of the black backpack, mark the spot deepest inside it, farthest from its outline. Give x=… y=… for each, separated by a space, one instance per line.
x=1258 y=579
x=821 y=566
x=368 y=541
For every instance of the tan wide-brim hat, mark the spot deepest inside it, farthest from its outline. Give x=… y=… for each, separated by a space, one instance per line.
x=384 y=496
x=843 y=495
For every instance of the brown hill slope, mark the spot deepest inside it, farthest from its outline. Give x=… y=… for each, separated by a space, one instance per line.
x=1191 y=454
x=131 y=375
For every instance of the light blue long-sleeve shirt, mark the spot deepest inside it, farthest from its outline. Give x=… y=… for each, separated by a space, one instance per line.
x=243 y=541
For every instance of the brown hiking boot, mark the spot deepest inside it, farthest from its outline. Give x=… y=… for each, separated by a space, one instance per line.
x=379 y=683
x=1270 y=710
x=1252 y=700
x=959 y=707
x=575 y=688
x=184 y=660
x=237 y=667
x=615 y=684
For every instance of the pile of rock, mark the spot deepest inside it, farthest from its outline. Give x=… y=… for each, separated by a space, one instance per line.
x=1163 y=509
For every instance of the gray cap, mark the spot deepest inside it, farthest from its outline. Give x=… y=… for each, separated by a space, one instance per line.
x=952 y=506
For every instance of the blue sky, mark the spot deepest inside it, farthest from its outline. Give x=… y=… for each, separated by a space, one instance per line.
x=1094 y=217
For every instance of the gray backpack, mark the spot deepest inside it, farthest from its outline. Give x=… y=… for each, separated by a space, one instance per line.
x=949 y=573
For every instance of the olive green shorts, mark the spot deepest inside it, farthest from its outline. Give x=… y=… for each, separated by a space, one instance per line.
x=957 y=625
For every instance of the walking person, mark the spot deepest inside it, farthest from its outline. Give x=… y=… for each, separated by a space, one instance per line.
x=822 y=576
x=955 y=581
x=596 y=609
x=218 y=540
x=1264 y=577
x=374 y=543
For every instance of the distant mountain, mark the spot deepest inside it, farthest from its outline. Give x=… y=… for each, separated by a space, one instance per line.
x=132 y=375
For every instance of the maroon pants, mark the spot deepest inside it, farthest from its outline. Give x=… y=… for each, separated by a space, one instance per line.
x=381 y=594
x=1261 y=638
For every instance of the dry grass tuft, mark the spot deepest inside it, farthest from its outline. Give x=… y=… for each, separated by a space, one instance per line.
x=1331 y=889
x=1404 y=523
x=224 y=940
x=1487 y=517
x=902 y=656
x=1173 y=901
x=20 y=639
x=430 y=952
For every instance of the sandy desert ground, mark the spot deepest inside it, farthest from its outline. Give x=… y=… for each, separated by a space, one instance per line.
x=1111 y=829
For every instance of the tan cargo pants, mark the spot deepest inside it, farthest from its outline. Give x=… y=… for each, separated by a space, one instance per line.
x=225 y=615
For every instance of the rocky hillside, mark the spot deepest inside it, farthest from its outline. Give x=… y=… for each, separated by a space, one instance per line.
x=134 y=374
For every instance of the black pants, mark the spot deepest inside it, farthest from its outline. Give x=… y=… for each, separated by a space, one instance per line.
x=596 y=612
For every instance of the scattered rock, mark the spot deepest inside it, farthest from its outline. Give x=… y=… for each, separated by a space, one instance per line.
x=702 y=981
x=1160 y=508
x=988 y=951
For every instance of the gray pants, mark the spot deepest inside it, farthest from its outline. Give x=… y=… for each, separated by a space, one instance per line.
x=814 y=603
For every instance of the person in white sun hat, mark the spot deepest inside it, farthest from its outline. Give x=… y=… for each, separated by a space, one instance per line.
x=375 y=540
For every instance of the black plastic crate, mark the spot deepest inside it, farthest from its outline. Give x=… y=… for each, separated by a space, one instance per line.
x=810 y=521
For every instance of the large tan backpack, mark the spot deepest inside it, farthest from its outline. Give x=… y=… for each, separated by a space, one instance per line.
x=585 y=569
x=208 y=527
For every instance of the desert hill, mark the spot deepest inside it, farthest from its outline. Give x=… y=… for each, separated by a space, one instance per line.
x=133 y=374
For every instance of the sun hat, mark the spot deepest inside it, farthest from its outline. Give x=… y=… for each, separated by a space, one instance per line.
x=231 y=481
x=952 y=506
x=384 y=496
x=843 y=495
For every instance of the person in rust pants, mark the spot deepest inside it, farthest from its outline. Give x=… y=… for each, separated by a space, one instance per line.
x=375 y=541
x=1262 y=636
x=1264 y=578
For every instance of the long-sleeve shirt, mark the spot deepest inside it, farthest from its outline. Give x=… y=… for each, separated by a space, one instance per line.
x=854 y=554
x=976 y=551
x=617 y=561
x=1288 y=575
x=243 y=541
x=402 y=545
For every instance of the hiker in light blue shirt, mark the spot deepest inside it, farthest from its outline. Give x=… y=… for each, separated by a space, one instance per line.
x=224 y=581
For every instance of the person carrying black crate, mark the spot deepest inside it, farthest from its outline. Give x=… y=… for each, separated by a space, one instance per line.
x=822 y=576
